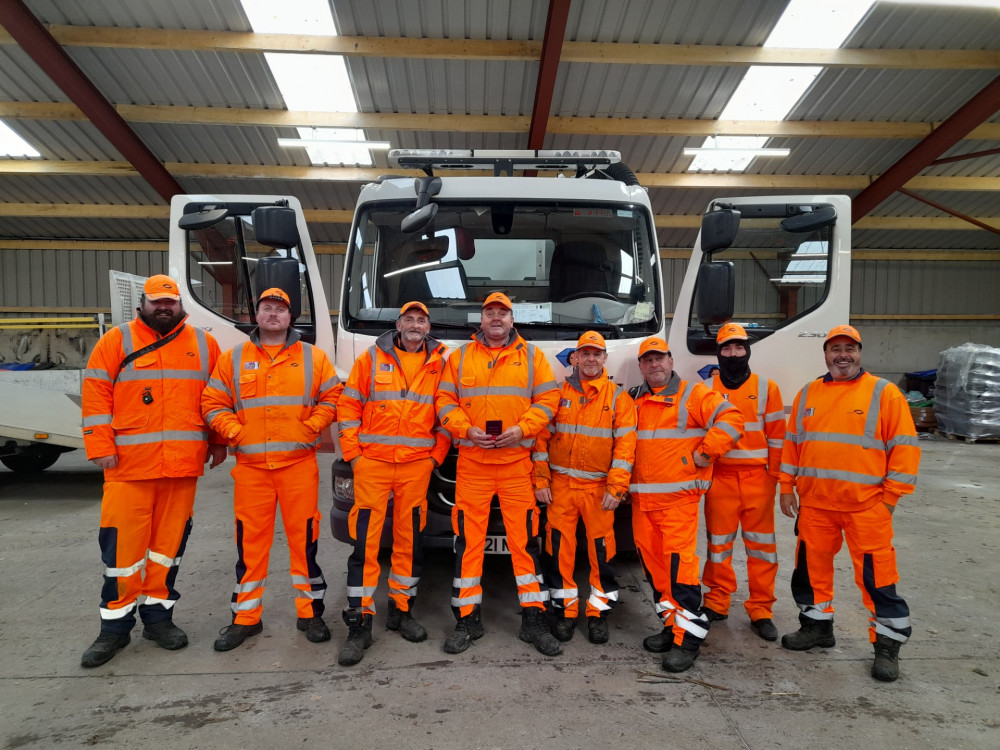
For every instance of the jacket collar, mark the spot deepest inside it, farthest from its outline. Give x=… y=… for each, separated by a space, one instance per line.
x=390 y=340
x=480 y=336
x=291 y=339
x=671 y=389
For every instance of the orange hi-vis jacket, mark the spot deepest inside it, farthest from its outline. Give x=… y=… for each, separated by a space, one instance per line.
x=166 y=437
x=524 y=393
x=850 y=444
x=383 y=418
x=764 y=423
x=592 y=439
x=272 y=412
x=682 y=419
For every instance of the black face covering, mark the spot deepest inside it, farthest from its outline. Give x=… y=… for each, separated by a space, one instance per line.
x=734 y=371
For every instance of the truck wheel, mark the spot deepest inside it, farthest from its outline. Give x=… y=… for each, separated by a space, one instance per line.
x=32 y=459
x=617 y=171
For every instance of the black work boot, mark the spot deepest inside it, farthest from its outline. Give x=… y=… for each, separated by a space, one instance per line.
x=104 y=648
x=659 y=643
x=467 y=629
x=535 y=630
x=712 y=615
x=811 y=633
x=404 y=623
x=564 y=627
x=764 y=628
x=886 y=664
x=315 y=629
x=359 y=637
x=233 y=635
x=679 y=659
x=165 y=634
x=597 y=628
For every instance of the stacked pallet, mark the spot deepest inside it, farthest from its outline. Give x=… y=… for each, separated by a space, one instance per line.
x=967 y=392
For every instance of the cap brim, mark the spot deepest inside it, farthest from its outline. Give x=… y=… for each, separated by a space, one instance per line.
x=155 y=297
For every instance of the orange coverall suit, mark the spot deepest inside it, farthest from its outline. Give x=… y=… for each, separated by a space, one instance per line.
x=683 y=418
x=161 y=446
x=513 y=384
x=589 y=448
x=390 y=425
x=742 y=495
x=273 y=412
x=850 y=450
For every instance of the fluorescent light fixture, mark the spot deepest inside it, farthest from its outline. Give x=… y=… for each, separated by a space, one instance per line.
x=339 y=142
x=737 y=151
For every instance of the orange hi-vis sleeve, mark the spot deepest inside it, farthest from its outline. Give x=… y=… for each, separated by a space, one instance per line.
x=385 y=419
x=850 y=444
x=764 y=423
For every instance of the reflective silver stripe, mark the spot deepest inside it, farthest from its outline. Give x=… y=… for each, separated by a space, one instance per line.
x=718 y=557
x=727 y=428
x=350 y=424
x=202 y=340
x=246 y=586
x=444 y=410
x=117 y=614
x=752 y=426
x=96 y=419
x=597 y=603
x=465 y=583
x=902 y=440
x=539 y=456
x=842 y=438
x=459 y=390
x=237 y=357
x=695 y=484
x=531 y=373
x=393 y=395
x=496 y=390
x=815 y=611
x=724 y=406
x=349 y=392
x=246 y=606
x=404 y=580
x=533 y=596
x=840 y=475
x=308 y=374
x=166 y=562
x=800 y=414
x=210 y=417
x=578 y=473
x=361 y=592
x=369 y=438
x=259 y=402
x=761 y=398
x=255 y=448
x=317 y=594
x=96 y=374
x=328 y=384
x=529 y=443
x=564 y=593
x=303 y=580
x=622 y=431
x=165 y=603
x=719 y=539
x=874 y=408
x=219 y=385
x=682 y=410
x=127 y=346
x=544 y=409
x=664 y=434
x=904 y=478
x=466 y=443
x=774 y=416
x=465 y=600
x=579 y=429
x=619 y=464
x=771 y=557
x=445 y=385
x=125 y=572
x=527 y=579
x=775 y=443
x=758 y=538
x=153 y=374
x=691 y=623
x=899 y=623
x=159 y=437
x=758 y=453
x=548 y=385
x=790 y=469
x=791 y=437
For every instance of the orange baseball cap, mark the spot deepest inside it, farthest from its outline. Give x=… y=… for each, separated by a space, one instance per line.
x=501 y=299
x=653 y=344
x=843 y=330
x=592 y=339
x=414 y=306
x=275 y=293
x=731 y=332
x=161 y=287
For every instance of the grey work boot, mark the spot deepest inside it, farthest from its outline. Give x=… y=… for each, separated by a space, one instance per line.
x=535 y=630
x=764 y=628
x=467 y=629
x=104 y=649
x=679 y=659
x=886 y=664
x=315 y=629
x=659 y=643
x=233 y=635
x=564 y=628
x=811 y=633
x=359 y=637
x=403 y=622
x=165 y=634
x=597 y=628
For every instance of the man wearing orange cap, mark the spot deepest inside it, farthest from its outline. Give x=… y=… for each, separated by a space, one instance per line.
x=271 y=397
x=743 y=487
x=582 y=466
x=850 y=453
x=142 y=424
x=390 y=436
x=683 y=428
x=496 y=396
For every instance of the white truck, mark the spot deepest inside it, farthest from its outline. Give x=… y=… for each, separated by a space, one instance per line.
x=573 y=252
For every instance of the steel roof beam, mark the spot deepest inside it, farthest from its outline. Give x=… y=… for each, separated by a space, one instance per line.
x=555 y=35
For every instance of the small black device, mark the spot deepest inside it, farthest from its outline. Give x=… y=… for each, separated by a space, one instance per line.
x=494 y=427
x=147 y=397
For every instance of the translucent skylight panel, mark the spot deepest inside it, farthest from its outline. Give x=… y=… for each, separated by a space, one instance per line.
x=11 y=144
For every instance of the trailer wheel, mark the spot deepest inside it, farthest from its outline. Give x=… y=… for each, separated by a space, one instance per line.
x=32 y=459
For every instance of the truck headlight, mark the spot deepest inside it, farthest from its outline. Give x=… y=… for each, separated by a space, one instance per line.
x=343 y=487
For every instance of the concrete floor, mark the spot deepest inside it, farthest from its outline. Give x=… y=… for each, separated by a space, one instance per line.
x=278 y=690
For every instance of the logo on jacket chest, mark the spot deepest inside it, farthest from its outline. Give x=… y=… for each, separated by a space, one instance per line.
x=386 y=367
x=251 y=365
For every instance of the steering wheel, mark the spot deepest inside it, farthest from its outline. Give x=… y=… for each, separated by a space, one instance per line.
x=589 y=293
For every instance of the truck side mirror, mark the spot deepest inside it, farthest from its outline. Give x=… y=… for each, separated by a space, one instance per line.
x=282 y=273
x=807 y=221
x=425 y=188
x=274 y=226
x=718 y=229
x=203 y=219
x=716 y=293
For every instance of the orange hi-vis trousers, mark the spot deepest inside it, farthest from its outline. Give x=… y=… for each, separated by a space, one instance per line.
x=741 y=498
x=821 y=534
x=374 y=481
x=474 y=490
x=667 y=540
x=145 y=525
x=257 y=494
x=563 y=515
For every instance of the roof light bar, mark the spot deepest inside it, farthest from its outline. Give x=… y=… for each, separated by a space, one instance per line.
x=501 y=161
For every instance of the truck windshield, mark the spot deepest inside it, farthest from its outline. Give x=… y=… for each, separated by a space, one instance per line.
x=564 y=266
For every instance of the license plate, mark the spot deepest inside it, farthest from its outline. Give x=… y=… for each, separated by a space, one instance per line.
x=494 y=545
